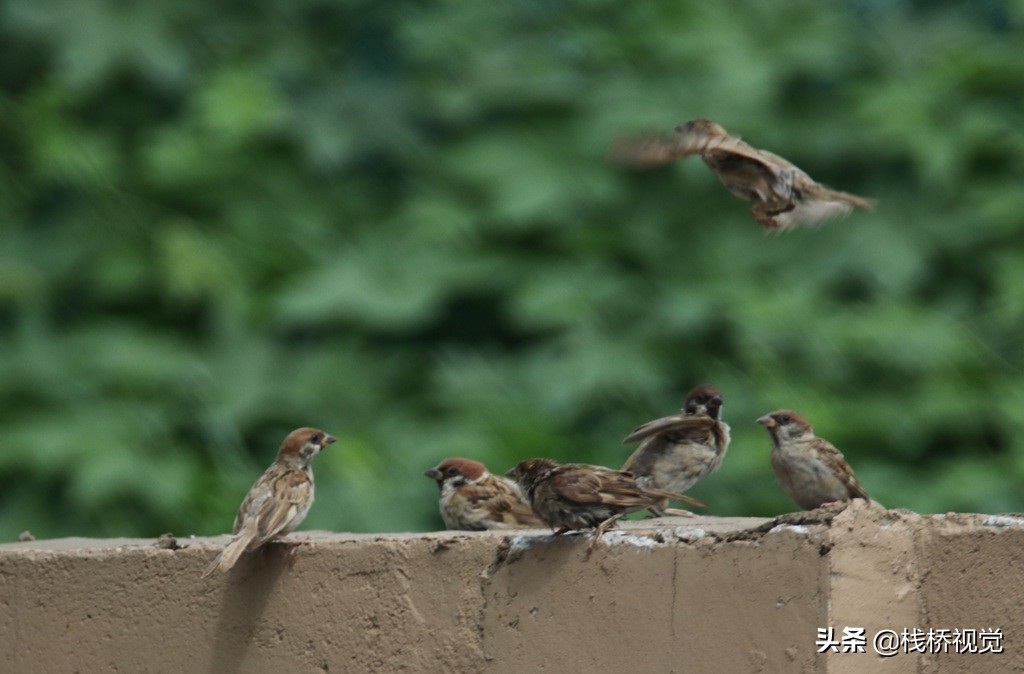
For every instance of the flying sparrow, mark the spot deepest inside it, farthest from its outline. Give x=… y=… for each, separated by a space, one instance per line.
x=580 y=496
x=809 y=469
x=278 y=501
x=474 y=499
x=782 y=195
x=677 y=452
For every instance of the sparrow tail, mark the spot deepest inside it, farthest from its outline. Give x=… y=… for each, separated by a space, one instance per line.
x=676 y=497
x=852 y=199
x=228 y=557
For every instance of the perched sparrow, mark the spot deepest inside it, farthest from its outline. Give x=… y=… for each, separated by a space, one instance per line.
x=278 y=501
x=679 y=451
x=471 y=498
x=782 y=195
x=580 y=496
x=809 y=469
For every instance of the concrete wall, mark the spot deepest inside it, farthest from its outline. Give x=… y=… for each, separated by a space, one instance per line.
x=671 y=595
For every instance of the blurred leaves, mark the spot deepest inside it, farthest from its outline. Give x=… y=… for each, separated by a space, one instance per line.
x=395 y=221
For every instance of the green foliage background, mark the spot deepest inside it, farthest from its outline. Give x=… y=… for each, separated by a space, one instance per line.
x=395 y=221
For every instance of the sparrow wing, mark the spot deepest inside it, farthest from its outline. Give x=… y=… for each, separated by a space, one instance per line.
x=258 y=492
x=699 y=140
x=244 y=509
x=585 y=484
x=501 y=499
x=291 y=492
x=593 y=485
x=835 y=461
x=677 y=422
x=647 y=151
x=619 y=488
x=664 y=435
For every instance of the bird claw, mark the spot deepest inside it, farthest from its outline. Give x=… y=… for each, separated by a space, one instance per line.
x=293 y=548
x=593 y=544
x=599 y=531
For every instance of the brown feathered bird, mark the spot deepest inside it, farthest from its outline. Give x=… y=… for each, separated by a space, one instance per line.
x=580 y=496
x=474 y=499
x=809 y=469
x=782 y=196
x=278 y=501
x=677 y=452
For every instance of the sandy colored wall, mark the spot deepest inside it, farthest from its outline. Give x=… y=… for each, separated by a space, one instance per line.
x=672 y=595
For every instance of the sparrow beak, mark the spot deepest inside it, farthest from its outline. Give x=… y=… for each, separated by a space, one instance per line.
x=433 y=474
x=767 y=421
x=510 y=473
x=716 y=401
x=330 y=439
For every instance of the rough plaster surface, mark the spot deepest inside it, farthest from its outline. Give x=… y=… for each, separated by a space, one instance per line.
x=670 y=595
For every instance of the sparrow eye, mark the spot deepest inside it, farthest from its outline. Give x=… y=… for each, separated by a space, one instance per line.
x=784 y=419
x=451 y=470
x=314 y=438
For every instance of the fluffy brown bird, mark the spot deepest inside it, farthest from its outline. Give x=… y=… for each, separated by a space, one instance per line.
x=677 y=452
x=278 y=501
x=474 y=499
x=580 y=496
x=809 y=469
x=782 y=195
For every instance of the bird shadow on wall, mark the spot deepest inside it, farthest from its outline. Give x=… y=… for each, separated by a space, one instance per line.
x=247 y=590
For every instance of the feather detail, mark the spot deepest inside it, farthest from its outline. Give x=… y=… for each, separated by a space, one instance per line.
x=678 y=422
x=473 y=499
x=580 y=496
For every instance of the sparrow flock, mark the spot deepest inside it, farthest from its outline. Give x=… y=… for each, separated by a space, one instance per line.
x=674 y=453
